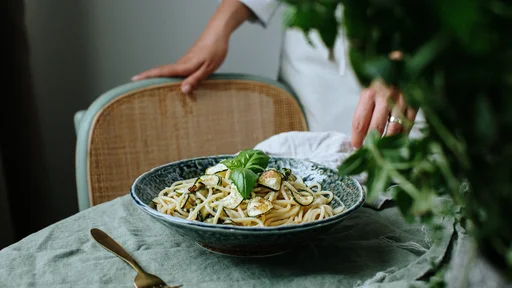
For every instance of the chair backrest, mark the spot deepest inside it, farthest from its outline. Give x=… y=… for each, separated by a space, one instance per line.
x=141 y=125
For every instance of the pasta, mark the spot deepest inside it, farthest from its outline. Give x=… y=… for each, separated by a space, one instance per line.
x=279 y=198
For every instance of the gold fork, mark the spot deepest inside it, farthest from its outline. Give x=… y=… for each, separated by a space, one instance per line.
x=143 y=278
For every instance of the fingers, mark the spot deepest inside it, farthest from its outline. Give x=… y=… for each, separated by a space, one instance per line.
x=362 y=117
x=197 y=74
x=382 y=108
x=398 y=111
x=396 y=55
x=191 y=83
x=169 y=70
x=410 y=115
x=373 y=112
x=380 y=114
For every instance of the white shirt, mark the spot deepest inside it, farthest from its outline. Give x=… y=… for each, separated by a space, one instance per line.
x=329 y=91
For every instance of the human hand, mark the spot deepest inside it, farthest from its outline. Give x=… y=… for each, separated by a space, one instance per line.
x=201 y=60
x=209 y=51
x=380 y=105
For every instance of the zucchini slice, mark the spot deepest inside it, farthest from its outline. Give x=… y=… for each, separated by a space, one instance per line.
x=184 y=201
x=233 y=199
x=203 y=214
x=223 y=211
x=211 y=180
x=203 y=192
x=198 y=185
x=271 y=179
x=258 y=206
x=288 y=175
x=229 y=222
x=303 y=197
x=216 y=169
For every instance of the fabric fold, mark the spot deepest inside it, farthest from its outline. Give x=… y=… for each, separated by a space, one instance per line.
x=329 y=149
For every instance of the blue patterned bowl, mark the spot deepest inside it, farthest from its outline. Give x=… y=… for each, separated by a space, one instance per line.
x=247 y=241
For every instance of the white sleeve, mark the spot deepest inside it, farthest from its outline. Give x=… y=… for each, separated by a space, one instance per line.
x=263 y=9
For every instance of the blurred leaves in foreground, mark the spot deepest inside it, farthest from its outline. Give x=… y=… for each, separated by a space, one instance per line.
x=456 y=66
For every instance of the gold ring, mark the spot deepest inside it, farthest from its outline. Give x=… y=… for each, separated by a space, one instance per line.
x=393 y=119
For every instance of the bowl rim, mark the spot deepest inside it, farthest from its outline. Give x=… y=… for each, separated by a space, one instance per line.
x=248 y=229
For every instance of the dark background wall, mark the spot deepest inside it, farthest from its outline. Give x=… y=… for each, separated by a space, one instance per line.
x=72 y=52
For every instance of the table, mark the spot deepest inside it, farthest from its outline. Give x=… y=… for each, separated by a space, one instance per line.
x=376 y=247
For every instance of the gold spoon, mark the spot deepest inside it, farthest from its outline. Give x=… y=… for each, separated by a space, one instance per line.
x=143 y=278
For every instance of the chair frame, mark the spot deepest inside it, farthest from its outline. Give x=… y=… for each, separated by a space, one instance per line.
x=84 y=119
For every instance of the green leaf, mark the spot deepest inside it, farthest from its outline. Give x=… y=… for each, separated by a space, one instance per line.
x=328 y=27
x=368 y=68
x=358 y=65
x=372 y=138
x=244 y=168
x=426 y=54
x=403 y=200
x=509 y=256
x=244 y=180
x=424 y=203
x=314 y=15
x=255 y=160
x=395 y=150
x=378 y=180
x=485 y=125
x=396 y=141
x=231 y=163
x=354 y=164
x=466 y=19
x=293 y=17
x=397 y=159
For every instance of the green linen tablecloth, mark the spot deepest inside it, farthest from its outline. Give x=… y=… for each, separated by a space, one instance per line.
x=369 y=249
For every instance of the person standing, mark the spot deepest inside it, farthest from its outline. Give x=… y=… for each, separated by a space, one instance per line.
x=329 y=91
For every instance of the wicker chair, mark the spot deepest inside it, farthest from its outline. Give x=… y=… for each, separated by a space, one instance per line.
x=141 y=125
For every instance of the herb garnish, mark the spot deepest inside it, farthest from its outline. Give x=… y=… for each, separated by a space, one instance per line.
x=244 y=168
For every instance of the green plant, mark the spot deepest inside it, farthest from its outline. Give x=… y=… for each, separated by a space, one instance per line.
x=456 y=66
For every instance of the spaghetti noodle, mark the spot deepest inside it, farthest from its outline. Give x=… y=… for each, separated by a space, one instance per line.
x=280 y=198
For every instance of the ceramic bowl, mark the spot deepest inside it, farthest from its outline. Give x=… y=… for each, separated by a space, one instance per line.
x=248 y=241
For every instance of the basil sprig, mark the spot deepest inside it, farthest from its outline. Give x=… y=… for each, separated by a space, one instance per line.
x=244 y=168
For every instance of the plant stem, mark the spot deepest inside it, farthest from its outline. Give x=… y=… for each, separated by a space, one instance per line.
x=447 y=173
x=406 y=185
x=451 y=142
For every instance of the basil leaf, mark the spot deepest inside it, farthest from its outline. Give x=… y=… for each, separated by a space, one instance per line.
x=255 y=160
x=231 y=163
x=244 y=168
x=244 y=180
